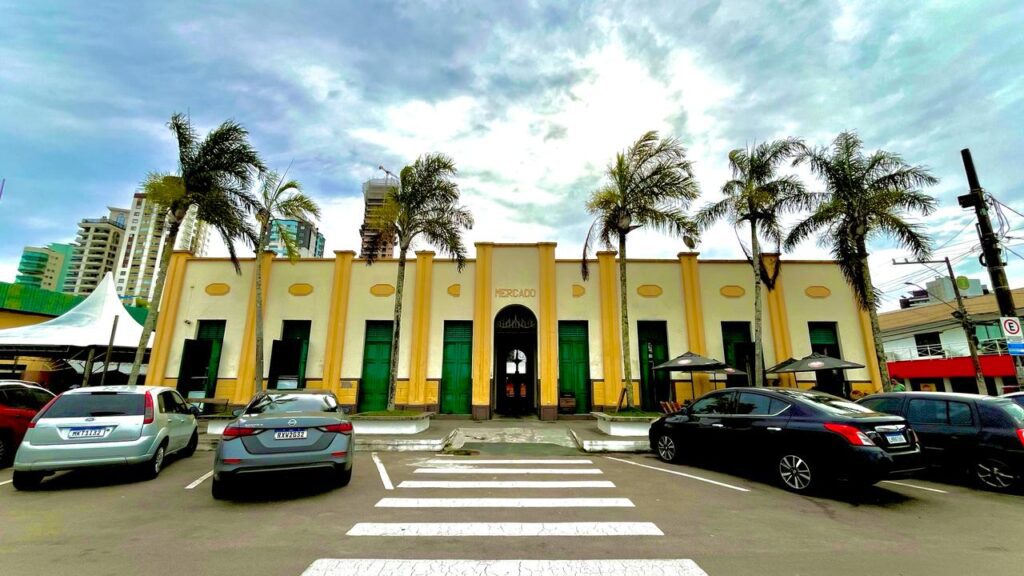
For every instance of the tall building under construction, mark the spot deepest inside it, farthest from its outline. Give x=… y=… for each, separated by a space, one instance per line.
x=374 y=191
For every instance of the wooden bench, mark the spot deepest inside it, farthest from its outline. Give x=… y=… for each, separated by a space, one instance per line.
x=210 y=405
x=670 y=407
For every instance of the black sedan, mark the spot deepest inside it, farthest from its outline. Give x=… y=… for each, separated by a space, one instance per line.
x=804 y=439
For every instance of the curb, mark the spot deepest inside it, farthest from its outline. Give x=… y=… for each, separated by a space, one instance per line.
x=600 y=446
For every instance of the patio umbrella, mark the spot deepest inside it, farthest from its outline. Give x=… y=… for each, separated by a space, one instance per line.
x=813 y=363
x=691 y=362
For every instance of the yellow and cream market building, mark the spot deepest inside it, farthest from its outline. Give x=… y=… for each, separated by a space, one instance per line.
x=517 y=331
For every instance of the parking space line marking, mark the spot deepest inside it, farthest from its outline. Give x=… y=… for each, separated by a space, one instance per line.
x=507 y=529
x=468 y=470
x=199 y=480
x=915 y=486
x=638 y=567
x=6 y=482
x=677 y=473
x=505 y=503
x=384 y=478
x=506 y=484
x=450 y=461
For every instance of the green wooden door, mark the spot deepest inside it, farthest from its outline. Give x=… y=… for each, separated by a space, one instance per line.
x=456 y=367
x=739 y=352
x=653 y=350
x=373 y=389
x=574 y=364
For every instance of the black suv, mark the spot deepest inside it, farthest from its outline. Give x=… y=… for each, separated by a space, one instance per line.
x=803 y=438
x=980 y=435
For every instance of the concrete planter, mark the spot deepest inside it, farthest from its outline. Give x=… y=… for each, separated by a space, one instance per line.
x=613 y=425
x=390 y=425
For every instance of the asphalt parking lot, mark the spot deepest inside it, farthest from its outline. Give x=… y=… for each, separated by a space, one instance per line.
x=521 y=503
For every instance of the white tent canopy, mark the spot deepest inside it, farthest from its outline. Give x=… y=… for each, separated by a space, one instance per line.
x=86 y=325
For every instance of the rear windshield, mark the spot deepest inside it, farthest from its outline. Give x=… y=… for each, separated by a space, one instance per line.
x=1014 y=411
x=290 y=403
x=97 y=404
x=833 y=404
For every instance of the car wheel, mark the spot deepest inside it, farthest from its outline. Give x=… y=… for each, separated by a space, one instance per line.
x=6 y=451
x=797 y=473
x=27 y=480
x=190 y=448
x=666 y=448
x=152 y=468
x=994 y=474
x=219 y=489
x=342 y=477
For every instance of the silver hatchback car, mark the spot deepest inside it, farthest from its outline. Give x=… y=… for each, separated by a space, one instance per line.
x=285 y=430
x=105 y=426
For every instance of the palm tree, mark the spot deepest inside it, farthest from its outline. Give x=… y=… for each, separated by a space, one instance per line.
x=866 y=197
x=215 y=175
x=759 y=196
x=425 y=202
x=651 y=185
x=278 y=200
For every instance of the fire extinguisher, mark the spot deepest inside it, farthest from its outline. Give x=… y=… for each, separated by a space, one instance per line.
x=522 y=390
x=510 y=388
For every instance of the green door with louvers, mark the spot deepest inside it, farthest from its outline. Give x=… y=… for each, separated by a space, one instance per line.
x=574 y=364
x=456 y=366
x=373 y=388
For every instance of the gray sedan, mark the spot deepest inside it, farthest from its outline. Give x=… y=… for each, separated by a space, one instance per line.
x=285 y=430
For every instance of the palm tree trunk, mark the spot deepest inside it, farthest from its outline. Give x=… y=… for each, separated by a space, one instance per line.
x=154 y=304
x=624 y=314
x=399 y=290
x=755 y=250
x=258 y=373
x=869 y=296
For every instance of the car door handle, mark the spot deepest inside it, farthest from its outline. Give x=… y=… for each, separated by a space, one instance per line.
x=774 y=429
x=718 y=425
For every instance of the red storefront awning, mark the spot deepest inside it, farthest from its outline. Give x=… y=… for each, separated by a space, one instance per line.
x=991 y=367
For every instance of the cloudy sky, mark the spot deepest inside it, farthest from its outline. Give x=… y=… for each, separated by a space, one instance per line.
x=532 y=99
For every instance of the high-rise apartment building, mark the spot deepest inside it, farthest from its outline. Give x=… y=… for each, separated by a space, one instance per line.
x=310 y=241
x=95 y=251
x=374 y=192
x=139 y=255
x=46 y=267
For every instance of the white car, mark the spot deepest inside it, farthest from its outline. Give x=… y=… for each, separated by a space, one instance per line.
x=106 y=426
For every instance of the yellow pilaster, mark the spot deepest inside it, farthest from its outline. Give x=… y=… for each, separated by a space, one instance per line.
x=695 y=335
x=482 y=331
x=334 y=347
x=611 y=342
x=871 y=360
x=166 y=321
x=548 y=332
x=420 y=329
x=247 y=357
x=779 y=319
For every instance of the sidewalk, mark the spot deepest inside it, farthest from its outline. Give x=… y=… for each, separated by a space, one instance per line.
x=448 y=434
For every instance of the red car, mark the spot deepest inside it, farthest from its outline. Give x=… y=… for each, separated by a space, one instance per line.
x=19 y=402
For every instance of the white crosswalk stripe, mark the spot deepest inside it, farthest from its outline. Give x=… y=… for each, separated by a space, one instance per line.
x=466 y=470
x=514 y=529
x=361 y=567
x=505 y=503
x=450 y=461
x=540 y=484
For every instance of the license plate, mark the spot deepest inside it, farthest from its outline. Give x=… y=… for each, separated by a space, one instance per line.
x=290 y=434
x=895 y=438
x=87 y=432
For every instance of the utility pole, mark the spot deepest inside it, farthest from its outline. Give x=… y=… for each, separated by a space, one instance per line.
x=960 y=314
x=992 y=257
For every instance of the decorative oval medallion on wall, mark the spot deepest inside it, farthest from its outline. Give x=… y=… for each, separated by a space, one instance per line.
x=732 y=291
x=649 y=290
x=578 y=290
x=818 y=292
x=300 y=289
x=217 y=289
x=455 y=290
x=382 y=289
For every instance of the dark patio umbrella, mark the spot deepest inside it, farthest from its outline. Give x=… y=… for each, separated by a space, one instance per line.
x=813 y=363
x=691 y=362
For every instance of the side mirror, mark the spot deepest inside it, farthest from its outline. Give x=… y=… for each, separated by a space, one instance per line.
x=237 y=412
x=194 y=410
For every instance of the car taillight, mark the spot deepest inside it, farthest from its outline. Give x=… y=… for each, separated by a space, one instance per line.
x=343 y=428
x=42 y=411
x=1020 y=435
x=852 y=434
x=148 y=414
x=236 y=431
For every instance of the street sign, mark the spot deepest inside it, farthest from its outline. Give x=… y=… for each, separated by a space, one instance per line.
x=1011 y=329
x=1015 y=348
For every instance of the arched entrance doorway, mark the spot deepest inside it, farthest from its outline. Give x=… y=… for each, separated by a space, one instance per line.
x=515 y=361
